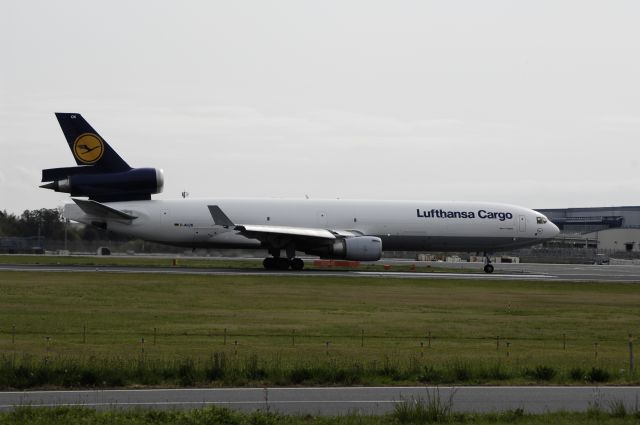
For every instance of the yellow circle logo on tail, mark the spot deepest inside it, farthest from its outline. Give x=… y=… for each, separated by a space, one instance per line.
x=88 y=148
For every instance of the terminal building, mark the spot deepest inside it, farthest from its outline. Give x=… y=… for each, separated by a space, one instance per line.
x=608 y=229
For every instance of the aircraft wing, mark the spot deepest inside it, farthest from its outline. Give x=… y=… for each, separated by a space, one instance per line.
x=258 y=229
x=267 y=232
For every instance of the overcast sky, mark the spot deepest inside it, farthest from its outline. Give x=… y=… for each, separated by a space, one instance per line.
x=534 y=103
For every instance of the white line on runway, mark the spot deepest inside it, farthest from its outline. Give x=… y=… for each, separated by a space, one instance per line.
x=332 y=388
x=203 y=402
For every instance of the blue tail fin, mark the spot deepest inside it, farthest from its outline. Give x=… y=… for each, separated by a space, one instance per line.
x=101 y=174
x=87 y=146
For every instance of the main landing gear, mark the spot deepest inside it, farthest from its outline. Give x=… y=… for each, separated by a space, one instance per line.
x=276 y=263
x=488 y=267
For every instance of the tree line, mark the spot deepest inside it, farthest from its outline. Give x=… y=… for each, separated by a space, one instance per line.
x=48 y=223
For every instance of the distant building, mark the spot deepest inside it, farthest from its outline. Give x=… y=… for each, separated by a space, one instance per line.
x=604 y=228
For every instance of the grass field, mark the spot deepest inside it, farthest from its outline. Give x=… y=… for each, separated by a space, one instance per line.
x=375 y=327
x=72 y=416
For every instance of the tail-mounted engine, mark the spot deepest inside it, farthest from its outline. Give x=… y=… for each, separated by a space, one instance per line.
x=129 y=185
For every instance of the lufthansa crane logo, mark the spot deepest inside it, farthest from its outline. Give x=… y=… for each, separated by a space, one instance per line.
x=88 y=148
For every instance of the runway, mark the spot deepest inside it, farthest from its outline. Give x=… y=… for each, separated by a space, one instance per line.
x=335 y=400
x=551 y=272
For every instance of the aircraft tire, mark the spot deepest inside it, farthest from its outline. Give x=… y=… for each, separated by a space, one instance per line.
x=269 y=263
x=283 y=264
x=297 y=264
x=488 y=268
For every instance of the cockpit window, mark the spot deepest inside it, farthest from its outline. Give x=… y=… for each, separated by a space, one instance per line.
x=541 y=220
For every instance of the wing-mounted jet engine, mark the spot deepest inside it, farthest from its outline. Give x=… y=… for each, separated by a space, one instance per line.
x=101 y=174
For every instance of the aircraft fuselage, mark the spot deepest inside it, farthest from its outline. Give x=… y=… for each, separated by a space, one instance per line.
x=401 y=225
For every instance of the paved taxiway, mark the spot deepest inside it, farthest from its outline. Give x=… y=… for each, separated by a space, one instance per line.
x=335 y=400
x=558 y=272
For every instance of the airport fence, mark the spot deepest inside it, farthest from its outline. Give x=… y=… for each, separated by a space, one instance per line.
x=524 y=347
x=108 y=358
x=79 y=359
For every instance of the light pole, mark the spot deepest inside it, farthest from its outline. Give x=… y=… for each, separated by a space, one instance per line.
x=66 y=223
x=39 y=232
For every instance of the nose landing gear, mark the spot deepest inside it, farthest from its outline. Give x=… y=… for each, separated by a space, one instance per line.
x=488 y=267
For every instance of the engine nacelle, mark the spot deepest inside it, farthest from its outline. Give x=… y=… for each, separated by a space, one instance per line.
x=132 y=184
x=358 y=248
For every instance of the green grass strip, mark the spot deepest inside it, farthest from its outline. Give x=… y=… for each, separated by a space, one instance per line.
x=215 y=415
x=298 y=329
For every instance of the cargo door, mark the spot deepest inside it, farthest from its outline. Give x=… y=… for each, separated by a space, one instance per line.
x=522 y=226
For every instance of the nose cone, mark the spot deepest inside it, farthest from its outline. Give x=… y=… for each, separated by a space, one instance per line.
x=554 y=231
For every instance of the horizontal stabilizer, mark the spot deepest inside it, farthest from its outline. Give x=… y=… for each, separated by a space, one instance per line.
x=97 y=209
x=53 y=174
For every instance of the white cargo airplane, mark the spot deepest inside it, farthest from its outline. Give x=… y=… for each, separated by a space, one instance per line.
x=120 y=200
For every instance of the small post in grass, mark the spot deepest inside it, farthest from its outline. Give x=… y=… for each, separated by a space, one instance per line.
x=142 y=345
x=84 y=334
x=421 y=349
x=235 y=348
x=327 y=347
x=508 y=348
x=362 y=338
x=13 y=334
x=225 y=337
x=595 y=350
x=631 y=364
x=564 y=341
